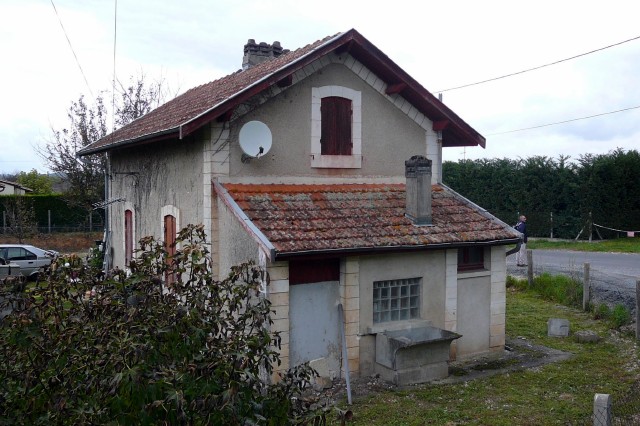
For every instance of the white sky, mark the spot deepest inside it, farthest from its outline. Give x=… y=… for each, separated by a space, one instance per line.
x=441 y=44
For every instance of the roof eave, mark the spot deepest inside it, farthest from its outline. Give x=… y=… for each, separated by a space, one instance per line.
x=244 y=220
x=149 y=138
x=354 y=251
x=362 y=49
x=256 y=87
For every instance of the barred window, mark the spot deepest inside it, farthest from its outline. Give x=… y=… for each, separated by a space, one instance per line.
x=396 y=300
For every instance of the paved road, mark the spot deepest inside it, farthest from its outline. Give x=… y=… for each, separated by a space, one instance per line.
x=613 y=275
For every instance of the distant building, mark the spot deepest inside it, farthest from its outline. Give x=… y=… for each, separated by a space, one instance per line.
x=12 y=188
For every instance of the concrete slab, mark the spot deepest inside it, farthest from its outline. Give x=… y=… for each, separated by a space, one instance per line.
x=558 y=327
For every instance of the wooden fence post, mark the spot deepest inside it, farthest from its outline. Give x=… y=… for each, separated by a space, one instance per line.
x=530 y=267
x=551 y=222
x=586 y=286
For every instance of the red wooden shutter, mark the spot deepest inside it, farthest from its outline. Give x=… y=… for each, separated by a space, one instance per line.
x=335 y=138
x=169 y=245
x=128 y=236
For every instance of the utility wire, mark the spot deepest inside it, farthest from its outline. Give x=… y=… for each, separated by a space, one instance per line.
x=113 y=83
x=72 y=51
x=562 y=122
x=538 y=67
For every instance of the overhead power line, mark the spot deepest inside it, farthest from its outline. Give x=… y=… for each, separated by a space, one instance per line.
x=113 y=83
x=72 y=51
x=538 y=67
x=562 y=122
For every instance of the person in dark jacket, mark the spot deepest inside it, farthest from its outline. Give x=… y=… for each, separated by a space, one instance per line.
x=521 y=255
x=521 y=247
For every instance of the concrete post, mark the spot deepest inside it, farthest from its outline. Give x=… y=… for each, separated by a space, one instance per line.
x=530 y=267
x=586 y=286
x=602 y=410
x=638 y=310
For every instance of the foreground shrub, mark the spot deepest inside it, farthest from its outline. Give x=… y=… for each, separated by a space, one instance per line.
x=79 y=348
x=620 y=316
x=617 y=317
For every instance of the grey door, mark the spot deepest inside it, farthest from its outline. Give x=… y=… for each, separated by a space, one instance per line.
x=313 y=325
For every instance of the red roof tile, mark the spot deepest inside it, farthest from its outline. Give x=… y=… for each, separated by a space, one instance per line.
x=317 y=218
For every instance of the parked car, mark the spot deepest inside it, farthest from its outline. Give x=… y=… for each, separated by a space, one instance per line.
x=9 y=269
x=30 y=259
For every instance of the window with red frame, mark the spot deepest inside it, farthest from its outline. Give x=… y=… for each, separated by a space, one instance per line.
x=470 y=258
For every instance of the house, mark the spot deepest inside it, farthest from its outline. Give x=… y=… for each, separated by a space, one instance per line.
x=324 y=165
x=12 y=188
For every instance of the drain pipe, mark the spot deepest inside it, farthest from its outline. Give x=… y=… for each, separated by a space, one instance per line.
x=345 y=357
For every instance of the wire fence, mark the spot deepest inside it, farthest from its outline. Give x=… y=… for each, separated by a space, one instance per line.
x=90 y=223
x=573 y=225
x=614 y=410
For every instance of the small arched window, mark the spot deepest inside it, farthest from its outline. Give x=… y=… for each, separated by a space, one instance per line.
x=128 y=237
x=169 y=246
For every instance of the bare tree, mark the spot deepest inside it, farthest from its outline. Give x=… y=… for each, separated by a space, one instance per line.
x=88 y=124
x=138 y=98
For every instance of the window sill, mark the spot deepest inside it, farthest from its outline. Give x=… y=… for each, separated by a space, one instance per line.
x=472 y=274
x=336 y=161
x=397 y=325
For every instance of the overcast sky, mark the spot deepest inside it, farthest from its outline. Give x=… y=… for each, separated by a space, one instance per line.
x=441 y=44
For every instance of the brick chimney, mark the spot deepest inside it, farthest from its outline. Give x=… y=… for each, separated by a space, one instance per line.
x=418 y=174
x=255 y=54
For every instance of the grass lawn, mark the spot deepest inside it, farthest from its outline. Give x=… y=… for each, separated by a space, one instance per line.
x=618 y=245
x=556 y=393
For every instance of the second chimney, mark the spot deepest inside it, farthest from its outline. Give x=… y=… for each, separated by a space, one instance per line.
x=418 y=174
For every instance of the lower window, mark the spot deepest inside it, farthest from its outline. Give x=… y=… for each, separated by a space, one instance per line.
x=470 y=258
x=396 y=300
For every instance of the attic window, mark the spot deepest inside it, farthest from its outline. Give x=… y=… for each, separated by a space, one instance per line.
x=336 y=127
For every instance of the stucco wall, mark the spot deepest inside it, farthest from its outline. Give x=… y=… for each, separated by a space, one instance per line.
x=389 y=136
x=430 y=266
x=150 y=177
x=480 y=306
x=235 y=245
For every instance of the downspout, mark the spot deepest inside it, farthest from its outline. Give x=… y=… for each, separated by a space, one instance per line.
x=106 y=265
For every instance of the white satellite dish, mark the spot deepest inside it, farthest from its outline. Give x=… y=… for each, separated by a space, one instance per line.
x=255 y=139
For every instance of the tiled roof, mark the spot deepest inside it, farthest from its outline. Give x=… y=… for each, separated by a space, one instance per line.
x=319 y=218
x=199 y=105
x=198 y=100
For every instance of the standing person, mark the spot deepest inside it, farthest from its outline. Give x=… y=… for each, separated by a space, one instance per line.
x=521 y=255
